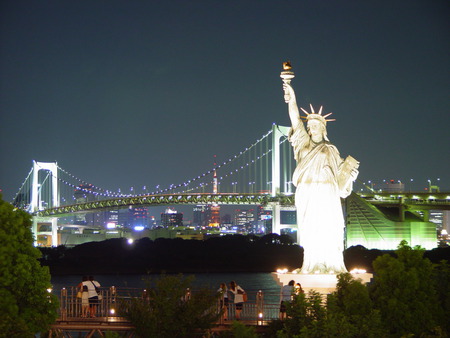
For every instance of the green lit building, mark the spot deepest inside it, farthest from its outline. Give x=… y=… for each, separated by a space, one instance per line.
x=378 y=227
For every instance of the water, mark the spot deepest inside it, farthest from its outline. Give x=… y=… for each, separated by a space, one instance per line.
x=251 y=282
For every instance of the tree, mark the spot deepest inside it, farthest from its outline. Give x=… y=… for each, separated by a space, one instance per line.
x=405 y=293
x=350 y=311
x=239 y=329
x=442 y=282
x=306 y=316
x=169 y=311
x=27 y=307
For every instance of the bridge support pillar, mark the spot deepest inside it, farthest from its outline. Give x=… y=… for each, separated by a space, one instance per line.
x=426 y=215
x=276 y=218
x=401 y=210
x=45 y=231
x=278 y=132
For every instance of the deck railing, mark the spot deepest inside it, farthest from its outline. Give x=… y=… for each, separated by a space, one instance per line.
x=259 y=308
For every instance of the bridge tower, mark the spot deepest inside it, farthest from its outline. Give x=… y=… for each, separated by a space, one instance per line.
x=44 y=226
x=36 y=202
x=277 y=133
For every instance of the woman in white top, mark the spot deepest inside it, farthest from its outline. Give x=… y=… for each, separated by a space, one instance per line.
x=92 y=285
x=238 y=298
x=286 y=296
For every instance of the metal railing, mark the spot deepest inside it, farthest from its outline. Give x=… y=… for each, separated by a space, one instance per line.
x=114 y=300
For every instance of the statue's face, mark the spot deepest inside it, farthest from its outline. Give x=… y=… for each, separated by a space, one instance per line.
x=316 y=129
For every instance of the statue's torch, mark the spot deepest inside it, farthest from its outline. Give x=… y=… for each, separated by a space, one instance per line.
x=287 y=75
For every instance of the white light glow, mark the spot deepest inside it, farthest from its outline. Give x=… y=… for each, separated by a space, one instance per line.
x=110 y=225
x=283 y=270
x=356 y=271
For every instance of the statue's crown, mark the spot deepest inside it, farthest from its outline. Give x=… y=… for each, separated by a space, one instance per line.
x=318 y=116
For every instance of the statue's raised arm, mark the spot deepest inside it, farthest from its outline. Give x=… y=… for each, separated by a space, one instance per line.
x=289 y=96
x=294 y=112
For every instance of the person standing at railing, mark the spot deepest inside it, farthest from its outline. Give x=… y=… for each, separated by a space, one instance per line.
x=92 y=286
x=286 y=296
x=238 y=298
x=85 y=302
x=298 y=289
x=83 y=291
x=223 y=292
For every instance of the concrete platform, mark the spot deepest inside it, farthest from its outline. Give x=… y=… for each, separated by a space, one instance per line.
x=323 y=283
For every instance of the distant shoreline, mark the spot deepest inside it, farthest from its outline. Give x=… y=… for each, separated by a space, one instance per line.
x=229 y=254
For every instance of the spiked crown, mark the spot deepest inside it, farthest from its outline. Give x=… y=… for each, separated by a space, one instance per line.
x=318 y=116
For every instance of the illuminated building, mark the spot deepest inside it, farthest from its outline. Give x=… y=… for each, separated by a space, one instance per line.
x=244 y=217
x=171 y=218
x=213 y=215
x=199 y=215
x=139 y=217
x=384 y=228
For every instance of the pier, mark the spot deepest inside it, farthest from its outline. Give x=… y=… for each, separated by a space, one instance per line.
x=258 y=311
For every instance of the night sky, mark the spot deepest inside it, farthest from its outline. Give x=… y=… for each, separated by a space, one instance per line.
x=131 y=93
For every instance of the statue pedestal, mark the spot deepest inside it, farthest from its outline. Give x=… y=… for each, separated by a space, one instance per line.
x=322 y=283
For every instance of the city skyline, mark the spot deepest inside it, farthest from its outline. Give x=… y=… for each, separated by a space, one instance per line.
x=139 y=94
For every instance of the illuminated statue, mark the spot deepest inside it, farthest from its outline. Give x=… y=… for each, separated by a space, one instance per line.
x=322 y=177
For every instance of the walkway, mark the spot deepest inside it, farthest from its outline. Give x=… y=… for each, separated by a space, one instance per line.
x=256 y=312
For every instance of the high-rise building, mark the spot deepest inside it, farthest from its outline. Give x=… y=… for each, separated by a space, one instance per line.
x=243 y=217
x=139 y=217
x=199 y=215
x=171 y=218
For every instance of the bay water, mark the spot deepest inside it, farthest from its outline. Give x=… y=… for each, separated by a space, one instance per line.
x=250 y=282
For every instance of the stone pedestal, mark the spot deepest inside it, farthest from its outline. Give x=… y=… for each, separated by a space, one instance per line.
x=322 y=283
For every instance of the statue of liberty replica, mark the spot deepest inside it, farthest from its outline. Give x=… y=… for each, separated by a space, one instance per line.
x=321 y=179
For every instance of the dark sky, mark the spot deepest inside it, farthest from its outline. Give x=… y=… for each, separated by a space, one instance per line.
x=133 y=93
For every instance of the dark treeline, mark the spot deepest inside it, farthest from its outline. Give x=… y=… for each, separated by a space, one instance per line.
x=233 y=253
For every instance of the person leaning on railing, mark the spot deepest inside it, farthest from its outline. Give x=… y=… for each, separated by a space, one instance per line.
x=286 y=296
x=92 y=286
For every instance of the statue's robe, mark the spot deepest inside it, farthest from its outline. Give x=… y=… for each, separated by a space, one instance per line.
x=318 y=201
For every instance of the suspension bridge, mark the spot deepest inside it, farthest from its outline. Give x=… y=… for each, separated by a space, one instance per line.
x=258 y=175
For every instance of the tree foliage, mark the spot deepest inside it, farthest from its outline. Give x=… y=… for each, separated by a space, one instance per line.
x=168 y=311
x=441 y=277
x=347 y=312
x=350 y=310
x=409 y=296
x=248 y=254
x=27 y=306
x=404 y=291
x=306 y=316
